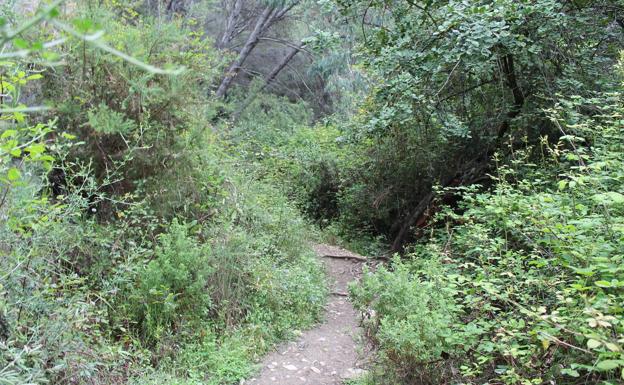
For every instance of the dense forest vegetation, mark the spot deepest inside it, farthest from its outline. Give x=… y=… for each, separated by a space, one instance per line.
x=166 y=166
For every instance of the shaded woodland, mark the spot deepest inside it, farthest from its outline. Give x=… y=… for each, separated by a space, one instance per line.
x=165 y=166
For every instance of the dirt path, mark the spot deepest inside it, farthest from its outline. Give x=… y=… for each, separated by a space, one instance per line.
x=329 y=353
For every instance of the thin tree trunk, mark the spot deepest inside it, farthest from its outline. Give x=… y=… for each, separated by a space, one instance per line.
x=399 y=240
x=279 y=67
x=472 y=172
x=270 y=77
x=261 y=24
x=230 y=26
x=507 y=66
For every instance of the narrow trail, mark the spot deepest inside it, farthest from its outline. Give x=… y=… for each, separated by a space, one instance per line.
x=330 y=353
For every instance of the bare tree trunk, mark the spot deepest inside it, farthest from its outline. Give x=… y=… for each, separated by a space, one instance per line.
x=281 y=65
x=230 y=25
x=263 y=21
x=270 y=15
x=270 y=77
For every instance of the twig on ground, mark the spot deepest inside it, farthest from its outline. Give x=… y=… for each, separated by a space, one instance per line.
x=356 y=257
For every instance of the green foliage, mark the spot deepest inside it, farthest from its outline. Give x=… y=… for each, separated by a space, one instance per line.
x=532 y=269
x=106 y=121
x=452 y=79
x=306 y=160
x=138 y=123
x=415 y=326
x=140 y=247
x=172 y=286
x=314 y=165
x=135 y=248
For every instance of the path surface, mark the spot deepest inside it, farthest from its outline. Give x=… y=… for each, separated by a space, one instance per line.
x=329 y=353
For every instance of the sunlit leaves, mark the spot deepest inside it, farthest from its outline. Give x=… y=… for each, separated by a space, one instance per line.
x=14 y=174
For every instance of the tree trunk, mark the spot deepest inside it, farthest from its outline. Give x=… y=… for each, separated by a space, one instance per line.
x=262 y=23
x=230 y=25
x=507 y=66
x=399 y=240
x=269 y=78
x=472 y=172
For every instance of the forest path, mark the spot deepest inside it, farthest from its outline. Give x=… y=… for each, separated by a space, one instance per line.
x=328 y=354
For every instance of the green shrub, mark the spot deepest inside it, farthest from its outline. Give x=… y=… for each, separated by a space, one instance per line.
x=172 y=287
x=142 y=249
x=136 y=126
x=313 y=165
x=533 y=269
x=417 y=311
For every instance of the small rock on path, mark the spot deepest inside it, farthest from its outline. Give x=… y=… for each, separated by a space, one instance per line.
x=327 y=354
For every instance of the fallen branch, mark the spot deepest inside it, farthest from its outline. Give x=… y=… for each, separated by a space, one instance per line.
x=356 y=257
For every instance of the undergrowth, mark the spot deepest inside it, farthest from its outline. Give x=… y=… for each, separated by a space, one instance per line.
x=315 y=165
x=520 y=284
x=136 y=247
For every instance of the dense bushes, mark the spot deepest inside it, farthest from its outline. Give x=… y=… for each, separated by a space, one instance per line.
x=316 y=166
x=415 y=316
x=173 y=284
x=136 y=248
x=451 y=81
x=523 y=285
x=137 y=127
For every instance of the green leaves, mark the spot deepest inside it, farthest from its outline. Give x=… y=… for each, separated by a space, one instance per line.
x=35 y=149
x=414 y=312
x=610 y=198
x=593 y=344
x=608 y=365
x=540 y=261
x=84 y=25
x=14 y=174
x=570 y=372
x=104 y=120
x=451 y=81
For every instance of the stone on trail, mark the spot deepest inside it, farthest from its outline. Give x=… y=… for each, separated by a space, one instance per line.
x=352 y=373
